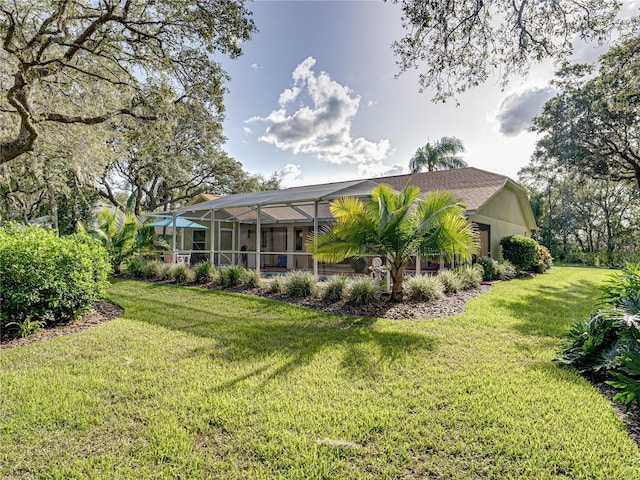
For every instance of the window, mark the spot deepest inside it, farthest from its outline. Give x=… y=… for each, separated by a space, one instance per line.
x=199 y=240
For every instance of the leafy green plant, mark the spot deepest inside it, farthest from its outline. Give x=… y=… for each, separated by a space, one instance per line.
x=230 y=276
x=471 y=276
x=628 y=379
x=123 y=236
x=543 y=257
x=489 y=265
x=451 y=280
x=134 y=268
x=300 y=283
x=362 y=290
x=425 y=288
x=26 y=327
x=249 y=278
x=521 y=251
x=205 y=272
x=595 y=346
x=334 y=288
x=48 y=278
x=150 y=269
x=395 y=226
x=181 y=273
x=275 y=284
x=505 y=270
x=619 y=287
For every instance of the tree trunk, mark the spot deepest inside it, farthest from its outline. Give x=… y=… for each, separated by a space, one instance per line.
x=397 y=276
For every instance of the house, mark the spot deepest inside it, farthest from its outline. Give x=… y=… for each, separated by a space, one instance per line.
x=267 y=230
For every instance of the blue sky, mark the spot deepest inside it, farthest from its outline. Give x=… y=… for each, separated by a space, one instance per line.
x=316 y=98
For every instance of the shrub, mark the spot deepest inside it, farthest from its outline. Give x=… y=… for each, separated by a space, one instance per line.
x=230 y=276
x=506 y=270
x=134 y=268
x=520 y=251
x=149 y=269
x=275 y=285
x=424 y=287
x=595 y=345
x=621 y=286
x=471 y=276
x=362 y=290
x=543 y=257
x=163 y=271
x=46 y=278
x=450 y=280
x=181 y=273
x=489 y=265
x=628 y=380
x=204 y=272
x=334 y=289
x=249 y=278
x=300 y=283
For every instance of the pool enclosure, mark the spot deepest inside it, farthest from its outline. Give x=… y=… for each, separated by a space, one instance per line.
x=267 y=231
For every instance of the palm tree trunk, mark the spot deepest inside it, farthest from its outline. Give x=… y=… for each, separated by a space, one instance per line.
x=397 y=291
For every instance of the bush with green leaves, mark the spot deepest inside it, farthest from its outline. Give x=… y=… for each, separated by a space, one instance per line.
x=505 y=270
x=134 y=268
x=471 y=276
x=46 y=278
x=205 y=272
x=521 y=251
x=249 y=278
x=362 y=290
x=275 y=284
x=489 y=265
x=621 y=286
x=595 y=346
x=627 y=380
x=451 y=280
x=424 y=288
x=149 y=269
x=334 y=288
x=230 y=276
x=181 y=273
x=300 y=283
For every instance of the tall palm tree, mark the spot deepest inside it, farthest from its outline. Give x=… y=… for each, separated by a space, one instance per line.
x=439 y=156
x=395 y=226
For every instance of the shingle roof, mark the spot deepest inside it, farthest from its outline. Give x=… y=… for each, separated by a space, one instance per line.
x=473 y=186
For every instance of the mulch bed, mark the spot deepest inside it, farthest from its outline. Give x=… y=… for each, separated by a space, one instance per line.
x=383 y=307
x=103 y=311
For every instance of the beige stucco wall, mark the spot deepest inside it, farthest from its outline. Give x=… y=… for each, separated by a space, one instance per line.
x=504 y=213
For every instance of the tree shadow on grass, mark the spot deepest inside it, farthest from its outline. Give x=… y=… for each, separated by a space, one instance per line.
x=548 y=310
x=246 y=328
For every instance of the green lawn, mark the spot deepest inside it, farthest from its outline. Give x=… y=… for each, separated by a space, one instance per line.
x=196 y=384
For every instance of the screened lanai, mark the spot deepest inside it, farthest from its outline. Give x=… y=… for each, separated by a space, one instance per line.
x=266 y=231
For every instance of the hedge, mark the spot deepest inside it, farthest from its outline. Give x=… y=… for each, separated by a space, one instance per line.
x=46 y=278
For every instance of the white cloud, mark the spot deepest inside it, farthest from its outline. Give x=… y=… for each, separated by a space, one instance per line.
x=517 y=110
x=290 y=175
x=321 y=125
x=247 y=130
x=255 y=67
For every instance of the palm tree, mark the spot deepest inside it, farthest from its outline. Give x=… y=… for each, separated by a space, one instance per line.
x=395 y=226
x=441 y=155
x=123 y=236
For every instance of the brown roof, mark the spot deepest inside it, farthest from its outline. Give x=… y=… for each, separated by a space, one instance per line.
x=473 y=186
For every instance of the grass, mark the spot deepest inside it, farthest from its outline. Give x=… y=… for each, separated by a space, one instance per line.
x=193 y=383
